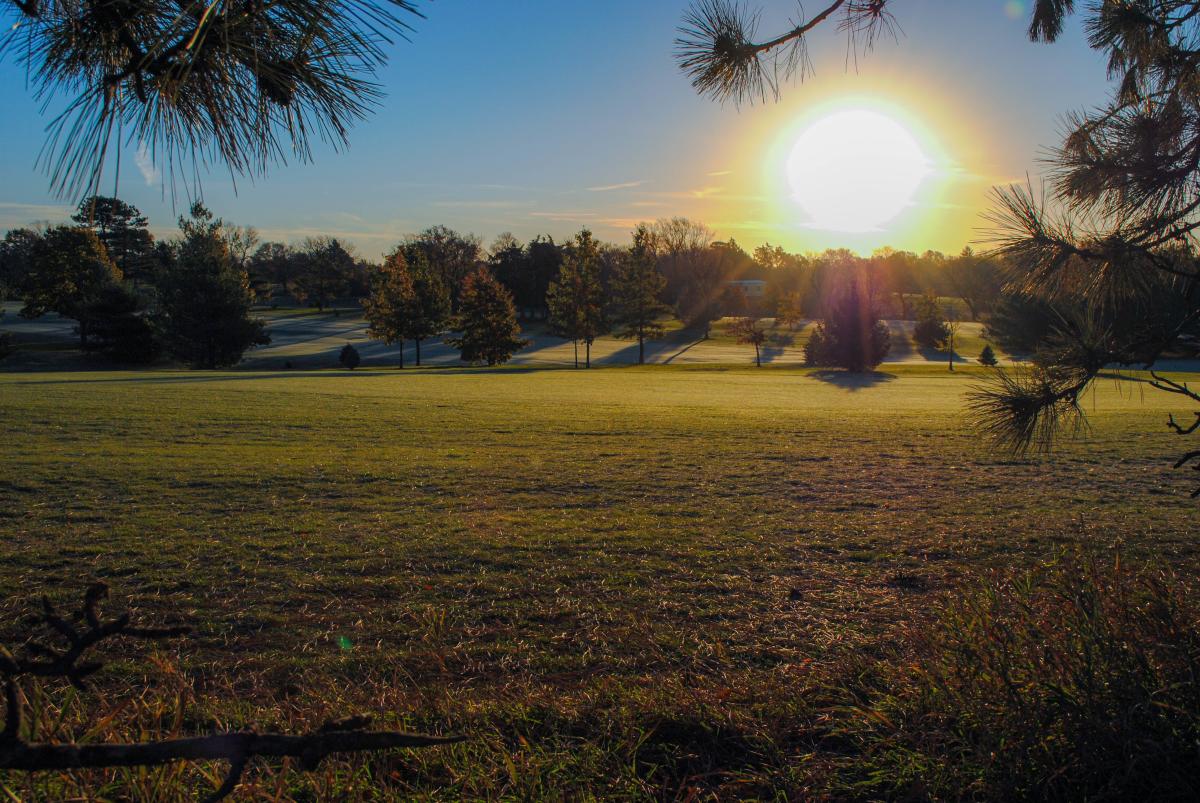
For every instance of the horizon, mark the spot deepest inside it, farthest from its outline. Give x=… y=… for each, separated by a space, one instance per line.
x=626 y=140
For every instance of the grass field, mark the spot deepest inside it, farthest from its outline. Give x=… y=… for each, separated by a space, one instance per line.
x=625 y=580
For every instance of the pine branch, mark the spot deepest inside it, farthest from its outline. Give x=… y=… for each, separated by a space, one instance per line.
x=716 y=46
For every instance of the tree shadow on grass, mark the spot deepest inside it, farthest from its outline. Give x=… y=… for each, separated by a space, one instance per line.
x=852 y=381
x=235 y=375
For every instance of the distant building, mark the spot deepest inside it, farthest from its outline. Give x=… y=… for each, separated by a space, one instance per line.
x=754 y=289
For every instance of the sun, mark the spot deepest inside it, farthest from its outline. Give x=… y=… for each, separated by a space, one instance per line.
x=855 y=171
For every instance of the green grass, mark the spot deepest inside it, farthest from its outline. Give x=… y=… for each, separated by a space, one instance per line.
x=623 y=579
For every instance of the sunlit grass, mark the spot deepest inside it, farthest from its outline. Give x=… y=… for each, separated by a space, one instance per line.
x=624 y=578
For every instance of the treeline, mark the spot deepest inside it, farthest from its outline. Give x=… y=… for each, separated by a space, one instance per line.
x=134 y=297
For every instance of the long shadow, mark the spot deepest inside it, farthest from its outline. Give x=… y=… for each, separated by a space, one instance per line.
x=852 y=381
x=660 y=351
x=684 y=340
x=199 y=377
x=941 y=356
x=259 y=374
x=777 y=345
x=901 y=344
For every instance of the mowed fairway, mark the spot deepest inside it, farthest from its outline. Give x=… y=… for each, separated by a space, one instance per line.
x=618 y=579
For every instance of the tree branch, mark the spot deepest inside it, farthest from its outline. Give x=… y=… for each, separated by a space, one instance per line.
x=84 y=631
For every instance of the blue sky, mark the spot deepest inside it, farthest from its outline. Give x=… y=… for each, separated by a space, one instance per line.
x=533 y=116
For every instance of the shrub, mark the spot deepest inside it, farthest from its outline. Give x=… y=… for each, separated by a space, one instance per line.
x=987 y=357
x=1079 y=680
x=6 y=344
x=349 y=357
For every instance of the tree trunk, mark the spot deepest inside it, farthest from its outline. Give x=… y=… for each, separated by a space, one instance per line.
x=757 y=357
x=588 y=348
x=401 y=355
x=576 y=342
x=641 y=350
x=418 y=342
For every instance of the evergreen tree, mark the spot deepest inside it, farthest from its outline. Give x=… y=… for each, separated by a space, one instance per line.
x=124 y=231
x=488 y=320
x=931 y=330
x=638 y=288
x=349 y=357
x=16 y=255
x=68 y=273
x=576 y=299
x=851 y=336
x=119 y=329
x=391 y=301
x=987 y=356
x=204 y=298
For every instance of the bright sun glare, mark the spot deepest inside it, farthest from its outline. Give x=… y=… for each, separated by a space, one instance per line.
x=855 y=171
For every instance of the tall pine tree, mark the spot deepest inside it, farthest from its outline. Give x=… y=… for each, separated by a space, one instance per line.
x=125 y=233
x=638 y=309
x=204 y=298
x=576 y=298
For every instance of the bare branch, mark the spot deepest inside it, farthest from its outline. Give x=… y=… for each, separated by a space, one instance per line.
x=346 y=735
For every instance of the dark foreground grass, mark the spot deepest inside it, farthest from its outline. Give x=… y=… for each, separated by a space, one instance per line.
x=627 y=583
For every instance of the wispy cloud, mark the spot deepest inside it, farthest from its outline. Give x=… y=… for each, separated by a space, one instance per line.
x=145 y=165
x=718 y=173
x=647 y=203
x=481 y=204
x=610 y=187
x=565 y=215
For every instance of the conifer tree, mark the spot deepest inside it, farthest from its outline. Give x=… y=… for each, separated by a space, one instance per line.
x=349 y=357
x=125 y=233
x=68 y=272
x=851 y=336
x=576 y=299
x=204 y=298
x=488 y=320
x=638 y=288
